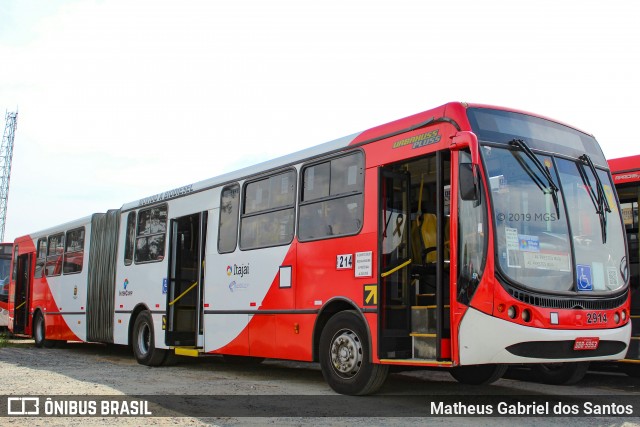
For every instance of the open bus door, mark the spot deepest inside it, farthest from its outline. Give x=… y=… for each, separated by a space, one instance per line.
x=185 y=281
x=414 y=264
x=22 y=293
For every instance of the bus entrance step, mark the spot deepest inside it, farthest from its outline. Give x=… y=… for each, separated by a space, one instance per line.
x=424 y=346
x=425 y=299
x=187 y=351
x=423 y=318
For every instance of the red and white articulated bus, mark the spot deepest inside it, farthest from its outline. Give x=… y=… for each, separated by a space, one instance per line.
x=466 y=237
x=626 y=178
x=5 y=272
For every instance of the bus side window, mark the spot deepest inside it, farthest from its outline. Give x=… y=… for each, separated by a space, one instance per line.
x=268 y=211
x=55 y=249
x=331 y=200
x=130 y=238
x=74 y=251
x=472 y=226
x=41 y=258
x=228 y=226
x=151 y=232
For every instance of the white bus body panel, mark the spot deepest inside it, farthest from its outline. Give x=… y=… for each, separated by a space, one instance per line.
x=4 y=317
x=146 y=283
x=230 y=290
x=479 y=344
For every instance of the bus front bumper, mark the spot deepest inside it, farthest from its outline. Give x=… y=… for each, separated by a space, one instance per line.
x=487 y=339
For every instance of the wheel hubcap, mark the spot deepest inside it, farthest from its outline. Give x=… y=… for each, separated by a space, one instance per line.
x=39 y=330
x=144 y=339
x=346 y=353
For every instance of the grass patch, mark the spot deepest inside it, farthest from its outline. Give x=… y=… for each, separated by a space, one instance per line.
x=4 y=339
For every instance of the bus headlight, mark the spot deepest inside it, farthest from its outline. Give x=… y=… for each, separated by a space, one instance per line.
x=512 y=312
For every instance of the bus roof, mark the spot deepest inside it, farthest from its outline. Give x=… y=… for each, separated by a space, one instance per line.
x=263 y=167
x=625 y=169
x=58 y=228
x=396 y=127
x=452 y=113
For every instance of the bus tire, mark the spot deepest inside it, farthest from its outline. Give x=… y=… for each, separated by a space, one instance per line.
x=144 y=342
x=170 y=358
x=561 y=373
x=345 y=356
x=39 y=332
x=478 y=374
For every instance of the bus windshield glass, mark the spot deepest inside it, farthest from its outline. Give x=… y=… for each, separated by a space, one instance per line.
x=557 y=226
x=505 y=126
x=5 y=268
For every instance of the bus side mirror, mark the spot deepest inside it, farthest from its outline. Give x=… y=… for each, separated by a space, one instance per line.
x=469 y=175
x=467 y=139
x=469 y=182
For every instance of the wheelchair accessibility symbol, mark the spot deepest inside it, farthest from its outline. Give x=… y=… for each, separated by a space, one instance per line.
x=585 y=282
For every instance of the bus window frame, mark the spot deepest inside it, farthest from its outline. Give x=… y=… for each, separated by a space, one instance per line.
x=39 y=273
x=482 y=203
x=161 y=257
x=271 y=210
x=130 y=238
x=74 y=254
x=237 y=217
x=54 y=258
x=361 y=192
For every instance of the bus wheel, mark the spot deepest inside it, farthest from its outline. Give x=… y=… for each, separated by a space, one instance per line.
x=478 y=374
x=144 y=343
x=39 y=332
x=561 y=373
x=344 y=356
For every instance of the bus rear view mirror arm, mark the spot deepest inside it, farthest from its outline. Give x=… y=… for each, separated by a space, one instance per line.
x=469 y=172
x=467 y=139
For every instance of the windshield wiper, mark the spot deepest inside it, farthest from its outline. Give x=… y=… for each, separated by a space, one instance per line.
x=599 y=199
x=551 y=186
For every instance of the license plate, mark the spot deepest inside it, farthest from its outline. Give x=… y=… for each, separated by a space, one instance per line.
x=586 y=343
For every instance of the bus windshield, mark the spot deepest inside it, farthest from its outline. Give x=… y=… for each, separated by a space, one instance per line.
x=556 y=223
x=5 y=268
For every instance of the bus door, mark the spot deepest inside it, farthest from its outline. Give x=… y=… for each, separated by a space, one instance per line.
x=414 y=259
x=22 y=294
x=185 y=285
x=395 y=274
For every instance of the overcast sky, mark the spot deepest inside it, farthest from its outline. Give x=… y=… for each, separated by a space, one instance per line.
x=122 y=99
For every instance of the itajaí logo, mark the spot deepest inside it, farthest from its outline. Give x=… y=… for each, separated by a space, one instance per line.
x=229 y=270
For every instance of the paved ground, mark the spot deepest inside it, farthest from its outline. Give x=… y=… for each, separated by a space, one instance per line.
x=199 y=388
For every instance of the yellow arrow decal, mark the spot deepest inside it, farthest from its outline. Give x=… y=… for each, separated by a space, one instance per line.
x=370 y=294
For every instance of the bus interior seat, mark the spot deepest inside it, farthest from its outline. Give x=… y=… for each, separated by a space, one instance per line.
x=424 y=248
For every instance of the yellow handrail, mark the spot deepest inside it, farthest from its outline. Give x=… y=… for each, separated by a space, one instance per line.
x=18 y=307
x=393 y=270
x=183 y=294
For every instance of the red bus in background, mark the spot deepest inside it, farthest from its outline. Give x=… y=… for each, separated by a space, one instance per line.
x=466 y=237
x=5 y=273
x=626 y=178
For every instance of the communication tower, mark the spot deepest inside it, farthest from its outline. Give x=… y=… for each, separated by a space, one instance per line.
x=6 y=155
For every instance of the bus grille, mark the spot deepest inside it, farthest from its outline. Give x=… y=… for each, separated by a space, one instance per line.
x=568 y=303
